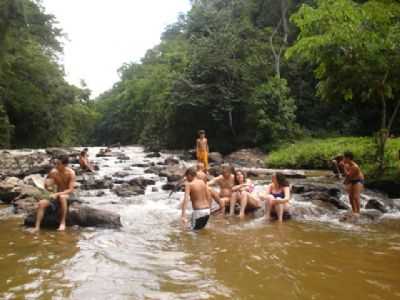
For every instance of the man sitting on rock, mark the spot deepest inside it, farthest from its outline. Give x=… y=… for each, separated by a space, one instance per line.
x=64 y=178
x=84 y=161
x=225 y=182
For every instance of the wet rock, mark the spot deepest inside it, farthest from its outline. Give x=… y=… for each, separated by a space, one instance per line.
x=390 y=187
x=170 y=186
x=82 y=216
x=141 y=165
x=141 y=182
x=123 y=157
x=21 y=165
x=172 y=172
x=215 y=157
x=57 y=152
x=154 y=189
x=247 y=158
x=153 y=155
x=376 y=204
x=365 y=217
x=121 y=174
x=7 y=189
x=171 y=161
x=260 y=172
x=153 y=170
x=325 y=197
x=306 y=188
x=91 y=182
x=127 y=190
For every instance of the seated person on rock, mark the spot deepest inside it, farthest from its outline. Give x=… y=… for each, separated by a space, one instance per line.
x=64 y=179
x=197 y=192
x=277 y=197
x=242 y=193
x=84 y=161
x=225 y=182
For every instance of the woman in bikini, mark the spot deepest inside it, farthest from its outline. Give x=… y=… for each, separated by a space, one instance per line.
x=277 y=197
x=242 y=192
x=354 y=181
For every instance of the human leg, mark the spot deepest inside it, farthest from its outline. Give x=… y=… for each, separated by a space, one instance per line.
x=41 y=208
x=63 y=213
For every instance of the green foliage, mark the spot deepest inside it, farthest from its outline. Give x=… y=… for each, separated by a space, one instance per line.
x=317 y=153
x=34 y=94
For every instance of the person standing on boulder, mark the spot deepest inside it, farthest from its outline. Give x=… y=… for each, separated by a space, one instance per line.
x=64 y=179
x=202 y=149
x=354 y=181
x=197 y=192
x=84 y=161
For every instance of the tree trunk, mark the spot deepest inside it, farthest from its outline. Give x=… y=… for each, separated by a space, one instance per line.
x=382 y=136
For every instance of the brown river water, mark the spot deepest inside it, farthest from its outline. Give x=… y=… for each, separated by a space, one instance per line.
x=152 y=257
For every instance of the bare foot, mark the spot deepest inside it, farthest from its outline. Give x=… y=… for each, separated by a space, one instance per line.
x=35 y=230
x=241 y=216
x=62 y=227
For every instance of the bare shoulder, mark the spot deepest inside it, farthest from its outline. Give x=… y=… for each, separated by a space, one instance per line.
x=71 y=172
x=53 y=173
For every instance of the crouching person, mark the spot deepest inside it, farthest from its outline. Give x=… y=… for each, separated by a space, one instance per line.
x=63 y=178
x=197 y=192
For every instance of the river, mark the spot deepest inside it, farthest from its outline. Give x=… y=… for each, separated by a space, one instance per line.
x=152 y=257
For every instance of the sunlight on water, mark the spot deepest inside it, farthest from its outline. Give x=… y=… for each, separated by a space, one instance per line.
x=152 y=257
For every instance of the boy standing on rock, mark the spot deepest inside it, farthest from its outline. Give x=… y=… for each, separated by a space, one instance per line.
x=202 y=149
x=196 y=191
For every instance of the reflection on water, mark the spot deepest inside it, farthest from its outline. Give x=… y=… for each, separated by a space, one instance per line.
x=152 y=257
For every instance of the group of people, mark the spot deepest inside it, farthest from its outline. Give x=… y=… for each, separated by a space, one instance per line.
x=238 y=192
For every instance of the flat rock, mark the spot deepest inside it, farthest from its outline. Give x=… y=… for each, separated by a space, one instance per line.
x=247 y=157
x=376 y=204
x=126 y=190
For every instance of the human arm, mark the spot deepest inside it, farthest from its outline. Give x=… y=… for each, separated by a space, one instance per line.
x=214 y=181
x=207 y=148
x=70 y=189
x=185 y=202
x=286 y=191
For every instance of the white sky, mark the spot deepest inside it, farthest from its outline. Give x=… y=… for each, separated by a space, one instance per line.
x=104 y=34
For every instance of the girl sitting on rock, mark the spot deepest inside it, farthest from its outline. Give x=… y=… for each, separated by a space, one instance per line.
x=277 y=197
x=242 y=193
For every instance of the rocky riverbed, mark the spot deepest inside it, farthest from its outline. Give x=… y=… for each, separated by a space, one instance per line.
x=125 y=176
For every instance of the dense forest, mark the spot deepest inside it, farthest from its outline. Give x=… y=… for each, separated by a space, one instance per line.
x=38 y=108
x=249 y=72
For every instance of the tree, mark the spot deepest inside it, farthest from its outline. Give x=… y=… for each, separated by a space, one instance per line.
x=356 y=53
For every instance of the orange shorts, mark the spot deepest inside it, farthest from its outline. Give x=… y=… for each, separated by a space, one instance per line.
x=202 y=156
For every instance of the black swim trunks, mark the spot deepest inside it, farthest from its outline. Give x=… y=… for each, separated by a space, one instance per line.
x=200 y=218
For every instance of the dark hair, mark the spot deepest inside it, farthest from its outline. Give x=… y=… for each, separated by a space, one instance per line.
x=64 y=159
x=85 y=150
x=349 y=155
x=202 y=132
x=227 y=167
x=281 y=179
x=236 y=176
x=191 y=172
x=83 y=153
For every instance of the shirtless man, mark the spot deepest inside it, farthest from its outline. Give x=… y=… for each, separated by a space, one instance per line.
x=201 y=174
x=197 y=192
x=202 y=149
x=84 y=161
x=226 y=181
x=354 y=181
x=64 y=178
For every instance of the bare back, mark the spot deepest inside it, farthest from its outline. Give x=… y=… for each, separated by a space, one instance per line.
x=199 y=194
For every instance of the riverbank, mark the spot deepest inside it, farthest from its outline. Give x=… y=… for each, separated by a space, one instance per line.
x=317 y=154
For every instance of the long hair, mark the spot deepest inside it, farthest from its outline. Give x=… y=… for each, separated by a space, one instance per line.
x=281 y=179
x=236 y=177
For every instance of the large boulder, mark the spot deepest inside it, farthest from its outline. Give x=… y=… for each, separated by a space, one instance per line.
x=153 y=155
x=215 y=157
x=247 y=157
x=78 y=215
x=171 y=161
x=21 y=165
x=91 y=182
x=377 y=205
x=57 y=152
x=127 y=190
x=141 y=182
x=8 y=189
x=173 y=173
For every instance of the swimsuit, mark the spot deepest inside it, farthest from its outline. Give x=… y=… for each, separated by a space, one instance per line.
x=278 y=195
x=200 y=218
x=202 y=156
x=356 y=181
